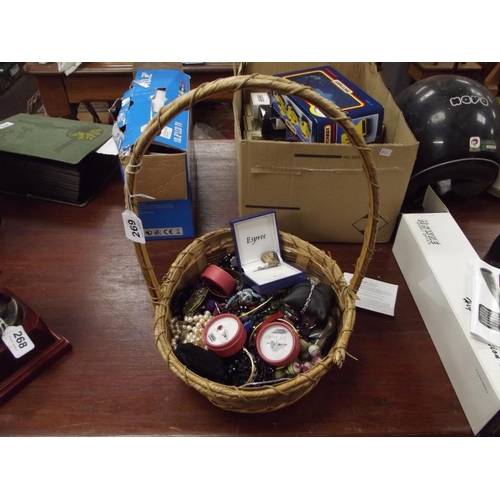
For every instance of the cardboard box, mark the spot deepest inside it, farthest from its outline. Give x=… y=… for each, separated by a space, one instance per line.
x=309 y=124
x=319 y=191
x=149 y=92
x=165 y=172
x=435 y=256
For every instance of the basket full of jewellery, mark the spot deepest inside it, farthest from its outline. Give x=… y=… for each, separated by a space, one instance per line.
x=249 y=316
x=253 y=319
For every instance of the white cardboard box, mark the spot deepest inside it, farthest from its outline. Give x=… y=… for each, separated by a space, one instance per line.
x=434 y=256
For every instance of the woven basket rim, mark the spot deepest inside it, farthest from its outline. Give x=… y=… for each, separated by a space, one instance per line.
x=267 y=397
x=335 y=357
x=237 y=83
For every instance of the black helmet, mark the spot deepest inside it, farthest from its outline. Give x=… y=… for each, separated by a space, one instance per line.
x=456 y=120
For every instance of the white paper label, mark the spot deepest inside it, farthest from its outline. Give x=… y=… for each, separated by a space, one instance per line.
x=385 y=152
x=166 y=132
x=375 y=295
x=133 y=227
x=17 y=341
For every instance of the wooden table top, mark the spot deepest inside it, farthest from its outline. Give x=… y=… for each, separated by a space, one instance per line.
x=75 y=267
x=103 y=68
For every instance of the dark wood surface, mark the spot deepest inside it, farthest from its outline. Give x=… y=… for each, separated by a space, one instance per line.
x=105 y=82
x=75 y=267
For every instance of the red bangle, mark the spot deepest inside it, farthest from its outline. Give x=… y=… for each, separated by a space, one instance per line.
x=218 y=281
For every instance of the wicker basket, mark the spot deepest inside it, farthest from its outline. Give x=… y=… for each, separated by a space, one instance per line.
x=210 y=247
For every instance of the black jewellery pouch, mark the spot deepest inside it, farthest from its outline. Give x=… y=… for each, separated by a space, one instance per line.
x=311 y=299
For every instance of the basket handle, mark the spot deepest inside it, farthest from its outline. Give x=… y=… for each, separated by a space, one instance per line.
x=262 y=83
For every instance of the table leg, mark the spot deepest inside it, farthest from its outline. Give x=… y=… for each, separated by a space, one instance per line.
x=53 y=95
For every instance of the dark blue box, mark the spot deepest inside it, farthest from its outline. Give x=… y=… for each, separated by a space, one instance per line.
x=254 y=235
x=309 y=124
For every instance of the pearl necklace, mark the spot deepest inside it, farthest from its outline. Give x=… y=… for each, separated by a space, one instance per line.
x=189 y=329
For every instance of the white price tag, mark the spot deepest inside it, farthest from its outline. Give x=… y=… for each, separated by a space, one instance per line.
x=17 y=341
x=375 y=295
x=133 y=227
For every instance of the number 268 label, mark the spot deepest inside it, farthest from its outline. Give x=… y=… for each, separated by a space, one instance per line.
x=17 y=341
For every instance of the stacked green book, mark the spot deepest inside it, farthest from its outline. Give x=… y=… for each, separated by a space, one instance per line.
x=54 y=158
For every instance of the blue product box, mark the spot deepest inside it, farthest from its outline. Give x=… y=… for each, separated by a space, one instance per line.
x=166 y=210
x=149 y=92
x=309 y=124
x=253 y=236
x=166 y=219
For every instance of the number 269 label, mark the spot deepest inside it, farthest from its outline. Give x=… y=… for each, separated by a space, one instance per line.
x=17 y=341
x=133 y=227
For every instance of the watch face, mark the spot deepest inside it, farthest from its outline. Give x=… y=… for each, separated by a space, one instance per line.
x=278 y=344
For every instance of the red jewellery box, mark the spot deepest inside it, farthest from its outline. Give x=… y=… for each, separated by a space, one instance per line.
x=258 y=250
x=225 y=335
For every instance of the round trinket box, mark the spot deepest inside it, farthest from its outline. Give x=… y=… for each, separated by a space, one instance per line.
x=218 y=281
x=278 y=343
x=225 y=334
